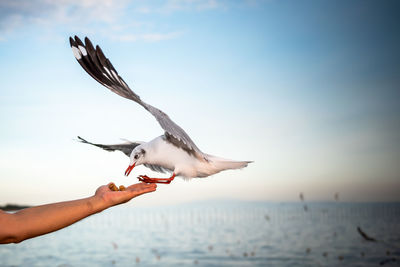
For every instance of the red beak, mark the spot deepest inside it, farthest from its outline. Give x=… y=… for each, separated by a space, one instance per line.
x=129 y=169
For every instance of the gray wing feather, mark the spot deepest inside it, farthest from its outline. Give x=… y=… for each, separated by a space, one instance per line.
x=172 y=129
x=100 y=68
x=157 y=168
x=125 y=148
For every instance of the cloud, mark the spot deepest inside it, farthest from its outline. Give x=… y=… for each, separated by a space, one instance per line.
x=148 y=37
x=18 y=15
x=62 y=11
x=111 y=18
x=175 y=5
x=171 y=6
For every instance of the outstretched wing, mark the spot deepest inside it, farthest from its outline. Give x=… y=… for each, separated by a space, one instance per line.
x=125 y=148
x=100 y=68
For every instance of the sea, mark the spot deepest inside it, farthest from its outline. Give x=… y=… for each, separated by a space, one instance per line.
x=221 y=233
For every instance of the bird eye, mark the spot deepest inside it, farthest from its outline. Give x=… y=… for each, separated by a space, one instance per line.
x=136 y=156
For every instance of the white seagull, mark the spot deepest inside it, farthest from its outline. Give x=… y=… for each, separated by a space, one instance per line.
x=172 y=152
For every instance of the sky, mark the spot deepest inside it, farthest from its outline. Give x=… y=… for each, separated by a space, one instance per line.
x=308 y=90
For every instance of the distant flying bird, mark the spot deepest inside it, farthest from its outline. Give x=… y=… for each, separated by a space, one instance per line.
x=336 y=196
x=364 y=235
x=172 y=152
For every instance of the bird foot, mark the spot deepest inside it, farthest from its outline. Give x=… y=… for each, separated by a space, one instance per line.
x=146 y=179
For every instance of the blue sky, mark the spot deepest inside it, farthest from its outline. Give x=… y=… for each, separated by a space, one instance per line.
x=308 y=90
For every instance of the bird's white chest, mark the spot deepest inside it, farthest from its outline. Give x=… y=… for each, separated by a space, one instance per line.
x=165 y=154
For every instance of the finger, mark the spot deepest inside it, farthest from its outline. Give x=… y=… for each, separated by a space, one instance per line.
x=140 y=189
x=142 y=186
x=143 y=190
x=133 y=191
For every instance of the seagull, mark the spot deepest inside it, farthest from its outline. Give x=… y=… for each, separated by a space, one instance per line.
x=173 y=152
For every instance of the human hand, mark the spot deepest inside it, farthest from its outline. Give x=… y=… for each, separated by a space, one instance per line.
x=111 y=198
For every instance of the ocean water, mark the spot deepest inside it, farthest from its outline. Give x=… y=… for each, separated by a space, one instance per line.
x=228 y=233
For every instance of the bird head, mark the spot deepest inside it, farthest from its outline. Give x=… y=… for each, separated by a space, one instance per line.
x=136 y=158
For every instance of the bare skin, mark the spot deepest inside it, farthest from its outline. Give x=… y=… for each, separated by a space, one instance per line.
x=36 y=221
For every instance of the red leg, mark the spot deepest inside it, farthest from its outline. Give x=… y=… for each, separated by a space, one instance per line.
x=146 y=179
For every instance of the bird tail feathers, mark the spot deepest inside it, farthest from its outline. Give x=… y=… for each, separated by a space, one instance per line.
x=221 y=164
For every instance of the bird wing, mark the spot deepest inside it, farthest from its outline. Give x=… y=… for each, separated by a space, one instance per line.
x=100 y=68
x=157 y=168
x=125 y=148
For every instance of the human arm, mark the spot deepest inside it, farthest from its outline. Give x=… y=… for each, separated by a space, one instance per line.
x=35 y=221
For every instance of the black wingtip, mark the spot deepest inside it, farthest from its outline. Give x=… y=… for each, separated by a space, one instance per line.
x=89 y=45
x=71 y=41
x=78 y=41
x=101 y=55
x=82 y=140
x=99 y=50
